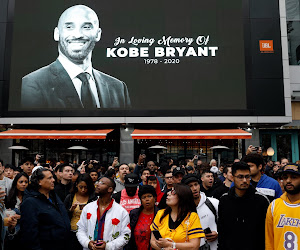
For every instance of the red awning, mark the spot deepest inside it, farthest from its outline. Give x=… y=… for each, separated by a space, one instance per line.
x=191 y=134
x=54 y=134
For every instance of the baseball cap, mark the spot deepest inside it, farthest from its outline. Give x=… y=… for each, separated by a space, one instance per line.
x=189 y=178
x=292 y=169
x=131 y=180
x=178 y=170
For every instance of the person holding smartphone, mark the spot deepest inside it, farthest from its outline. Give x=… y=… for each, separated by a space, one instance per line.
x=83 y=190
x=178 y=226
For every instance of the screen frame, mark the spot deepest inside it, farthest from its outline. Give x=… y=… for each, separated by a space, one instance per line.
x=109 y=113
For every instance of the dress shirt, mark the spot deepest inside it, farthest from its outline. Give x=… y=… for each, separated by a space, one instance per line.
x=73 y=71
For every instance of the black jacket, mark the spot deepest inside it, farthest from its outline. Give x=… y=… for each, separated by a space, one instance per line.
x=241 y=223
x=51 y=87
x=117 y=197
x=63 y=190
x=219 y=191
x=44 y=224
x=134 y=217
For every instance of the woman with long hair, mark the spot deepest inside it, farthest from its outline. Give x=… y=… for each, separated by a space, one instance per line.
x=82 y=191
x=15 y=196
x=178 y=226
x=13 y=202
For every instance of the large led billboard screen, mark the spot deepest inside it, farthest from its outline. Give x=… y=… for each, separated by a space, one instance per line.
x=133 y=58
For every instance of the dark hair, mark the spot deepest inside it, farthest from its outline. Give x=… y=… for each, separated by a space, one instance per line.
x=168 y=172
x=225 y=170
x=1 y=161
x=146 y=189
x=144 y=169
x=11 y=199
x=89 y=183
x=30 y=159
x=257 y=159
x=151 y=178
x=239 y=166
x=112 y=182
x=19 y=169
x=93 y=170
x=110 y=173
x=36 y=177
x=206 y=171
x=76 y=173
x=10 y=166
x=186 y=202
x=61 y=167
x=123 y=164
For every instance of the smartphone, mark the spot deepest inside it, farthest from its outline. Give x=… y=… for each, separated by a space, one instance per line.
x=156 y=234
x=207 y=230
x=99 y=243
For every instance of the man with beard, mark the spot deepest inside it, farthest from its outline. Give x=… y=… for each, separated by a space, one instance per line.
x=283 y=216
x=207 y=209
x=242 y=213
x=71 y=81
x=103 y=223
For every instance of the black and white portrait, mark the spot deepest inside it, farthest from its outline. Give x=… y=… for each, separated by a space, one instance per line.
x=71 y=82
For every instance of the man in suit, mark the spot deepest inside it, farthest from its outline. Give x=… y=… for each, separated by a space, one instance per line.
x=71 y=82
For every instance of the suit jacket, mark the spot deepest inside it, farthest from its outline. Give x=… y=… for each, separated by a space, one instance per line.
x=51 y=87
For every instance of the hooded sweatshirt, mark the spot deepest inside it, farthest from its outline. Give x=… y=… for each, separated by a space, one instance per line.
x=241 y=220
x=207 y=218
x=283 y=224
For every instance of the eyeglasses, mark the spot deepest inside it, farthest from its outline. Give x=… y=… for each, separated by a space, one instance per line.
x=102 y=183
x=241 y=177
x=173 y=191
x=168 y=177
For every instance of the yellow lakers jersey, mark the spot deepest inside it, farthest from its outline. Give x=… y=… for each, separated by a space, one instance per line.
x=283 y=224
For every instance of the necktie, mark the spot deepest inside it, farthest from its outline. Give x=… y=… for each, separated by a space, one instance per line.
x=86 y=95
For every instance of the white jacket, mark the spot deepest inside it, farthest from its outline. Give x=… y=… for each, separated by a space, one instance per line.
x=207 y=218
x=121 y=231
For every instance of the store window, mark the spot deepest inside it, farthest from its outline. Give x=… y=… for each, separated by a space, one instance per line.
x=284 y=146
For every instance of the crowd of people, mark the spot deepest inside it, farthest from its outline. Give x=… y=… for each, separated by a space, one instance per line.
x=190 y=205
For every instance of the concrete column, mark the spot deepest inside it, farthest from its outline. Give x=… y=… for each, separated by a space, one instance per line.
x=254 y=141
x=5 y=153
x=126 y=144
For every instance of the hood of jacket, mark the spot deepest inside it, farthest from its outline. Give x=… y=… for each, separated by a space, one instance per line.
x=286 y=199
x=202 y=199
